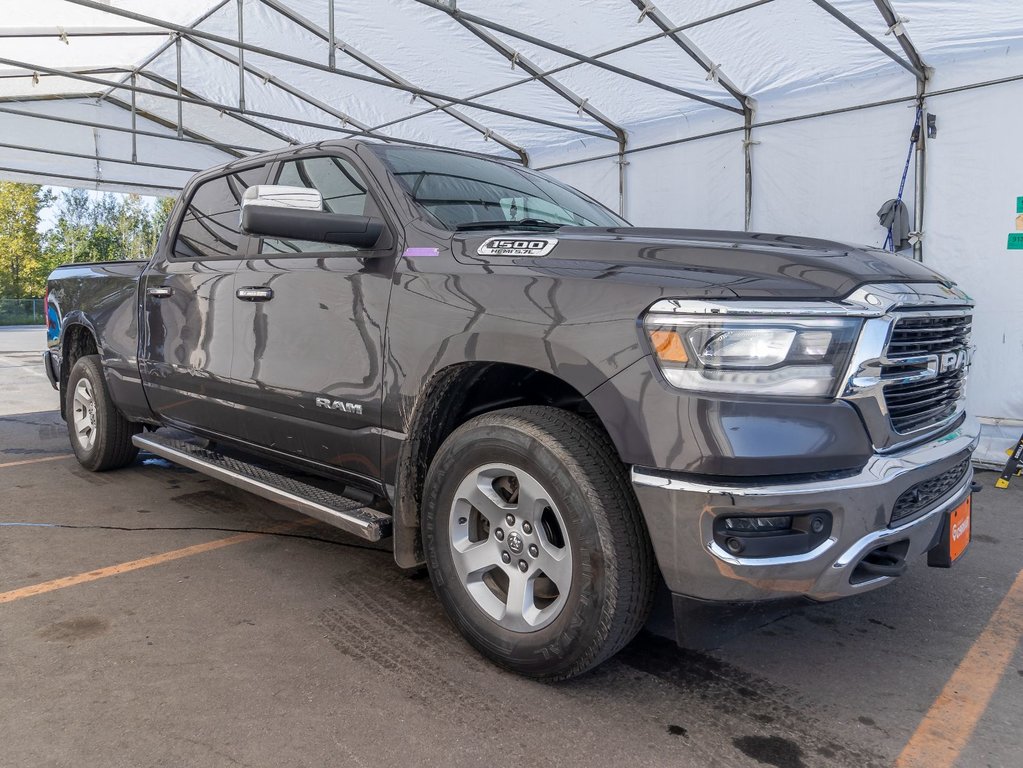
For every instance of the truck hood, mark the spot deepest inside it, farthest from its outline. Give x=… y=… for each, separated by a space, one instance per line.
x=709 y=263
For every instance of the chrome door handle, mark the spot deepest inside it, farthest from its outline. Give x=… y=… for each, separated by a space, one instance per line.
x=160 y=292
x=255 y=293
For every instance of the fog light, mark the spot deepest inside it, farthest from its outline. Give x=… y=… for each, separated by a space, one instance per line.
x=758 y=524
x=734 y=545
x=765 y=536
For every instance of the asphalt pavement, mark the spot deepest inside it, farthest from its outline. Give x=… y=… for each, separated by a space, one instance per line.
x=143 y=623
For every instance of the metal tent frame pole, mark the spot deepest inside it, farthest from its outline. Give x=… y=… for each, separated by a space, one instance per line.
x=910 y=67
x=650 y=11
x=897 y=28
x=603 y=54
x=505 y=30
x=581 y=104
x=192 y=33
x=269 y=79
x=332 y=41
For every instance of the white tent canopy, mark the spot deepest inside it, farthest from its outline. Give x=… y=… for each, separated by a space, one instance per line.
x=776 y=115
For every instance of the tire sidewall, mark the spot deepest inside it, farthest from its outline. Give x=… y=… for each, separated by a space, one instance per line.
x=558 y=645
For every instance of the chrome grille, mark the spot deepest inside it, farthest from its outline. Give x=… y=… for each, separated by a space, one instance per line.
x=923 y=402
x=924 y=494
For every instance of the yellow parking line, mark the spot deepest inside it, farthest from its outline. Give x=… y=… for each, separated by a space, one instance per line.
x=948 y=725
x=131 y=565
x=35 y=461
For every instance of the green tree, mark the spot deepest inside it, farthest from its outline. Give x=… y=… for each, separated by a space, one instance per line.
x=90 y=228
x=23 y=268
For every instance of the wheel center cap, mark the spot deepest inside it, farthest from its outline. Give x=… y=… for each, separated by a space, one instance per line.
x=515 y=543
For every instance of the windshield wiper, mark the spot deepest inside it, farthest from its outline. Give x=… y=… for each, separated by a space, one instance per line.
x=502 y=224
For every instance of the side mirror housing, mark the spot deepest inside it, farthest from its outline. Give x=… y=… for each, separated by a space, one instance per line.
x=304 y=198
x=296 y=213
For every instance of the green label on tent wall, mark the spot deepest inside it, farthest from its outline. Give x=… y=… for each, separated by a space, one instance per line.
x=1016 y=241
x=1019 y=205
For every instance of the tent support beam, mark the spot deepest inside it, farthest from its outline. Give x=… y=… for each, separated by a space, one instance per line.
x=603 y=54
x=280 y=55
x=16 y=73
x=827 y=6
x=98 y=158
x=163 y=48
x=233 y=149
x=188 y=134
x=480 y=21
x=162 y=81
x=299 y=94
x=893 y=21
x=332 y=49
x=176 y=94
x=582 y=105
x=95 y=182
x=177 y=56
x=658 y=17
x=134 y=119
x=229 y=109
x=332 y=41
x=241 y=55
x=895 y=24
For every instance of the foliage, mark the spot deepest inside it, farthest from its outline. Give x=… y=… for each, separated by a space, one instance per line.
x=22 y=264
x=85 y=227
x=104 y=228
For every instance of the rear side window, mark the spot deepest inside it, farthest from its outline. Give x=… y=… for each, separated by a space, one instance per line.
x=210 y=227
x=343 y=189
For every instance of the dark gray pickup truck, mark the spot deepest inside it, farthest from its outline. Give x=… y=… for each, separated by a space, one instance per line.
x=556 y=412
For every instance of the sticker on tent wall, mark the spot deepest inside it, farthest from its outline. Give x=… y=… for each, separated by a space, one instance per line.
x=1016 y=241
x=1019 y=205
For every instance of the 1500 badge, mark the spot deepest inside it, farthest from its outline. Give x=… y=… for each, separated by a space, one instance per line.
x=517 y=246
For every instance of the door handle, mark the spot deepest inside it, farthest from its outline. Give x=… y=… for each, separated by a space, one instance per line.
x=255 y=293
x=160 y=292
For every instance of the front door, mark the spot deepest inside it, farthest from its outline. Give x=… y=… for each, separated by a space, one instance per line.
x=308 y=342
x=188 y=306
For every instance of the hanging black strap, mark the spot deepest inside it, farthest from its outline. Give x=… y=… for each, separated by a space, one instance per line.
x=889 y=243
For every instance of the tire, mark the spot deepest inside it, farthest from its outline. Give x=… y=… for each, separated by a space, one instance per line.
x=100 y=435
x=513 y=494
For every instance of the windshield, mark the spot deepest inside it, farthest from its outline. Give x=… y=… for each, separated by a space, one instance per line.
x=466 y=192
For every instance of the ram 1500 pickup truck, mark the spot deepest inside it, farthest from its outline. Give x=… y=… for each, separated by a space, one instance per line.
x=554 y=411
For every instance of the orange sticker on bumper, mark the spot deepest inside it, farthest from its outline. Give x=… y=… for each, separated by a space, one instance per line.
x=959 y=530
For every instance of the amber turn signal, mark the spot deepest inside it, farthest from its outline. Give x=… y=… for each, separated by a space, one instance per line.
x=668 y=346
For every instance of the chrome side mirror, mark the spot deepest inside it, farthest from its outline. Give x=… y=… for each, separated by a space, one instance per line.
x=302 y=198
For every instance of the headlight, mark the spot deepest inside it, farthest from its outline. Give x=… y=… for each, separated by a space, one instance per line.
x=764 y=355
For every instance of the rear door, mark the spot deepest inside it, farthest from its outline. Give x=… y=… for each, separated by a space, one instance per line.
x=188 y=305
x=309 y=348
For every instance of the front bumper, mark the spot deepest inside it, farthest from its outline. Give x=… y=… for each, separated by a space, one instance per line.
x=680 y=512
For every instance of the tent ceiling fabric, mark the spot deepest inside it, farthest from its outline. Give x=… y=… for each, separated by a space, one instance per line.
x=526 y=79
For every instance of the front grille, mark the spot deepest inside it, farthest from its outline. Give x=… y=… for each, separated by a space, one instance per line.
x=923 y=494
x=919 y=404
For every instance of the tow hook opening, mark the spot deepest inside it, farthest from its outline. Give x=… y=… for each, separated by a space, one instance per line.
x=889 y=560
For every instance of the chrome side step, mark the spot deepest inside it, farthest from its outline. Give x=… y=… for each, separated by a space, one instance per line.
x=330 y=508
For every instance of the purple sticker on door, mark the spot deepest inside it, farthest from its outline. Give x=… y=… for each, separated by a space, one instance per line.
x=412 y=252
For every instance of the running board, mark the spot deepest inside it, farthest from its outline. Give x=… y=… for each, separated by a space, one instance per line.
x=328 y=507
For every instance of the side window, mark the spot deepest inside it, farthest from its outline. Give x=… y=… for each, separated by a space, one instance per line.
x=343 y=190
x=210 y=226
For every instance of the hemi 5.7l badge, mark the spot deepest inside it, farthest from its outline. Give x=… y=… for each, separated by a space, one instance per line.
x=517 y=246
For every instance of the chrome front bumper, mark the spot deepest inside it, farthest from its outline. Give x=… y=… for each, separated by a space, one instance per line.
x=680 y=512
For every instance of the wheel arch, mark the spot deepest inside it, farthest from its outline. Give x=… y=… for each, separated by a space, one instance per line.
x=452 y=396
x=78 y=338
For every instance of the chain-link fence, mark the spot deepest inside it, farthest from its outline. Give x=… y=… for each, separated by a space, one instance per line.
x=22 y=312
